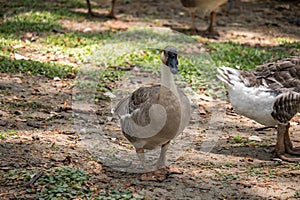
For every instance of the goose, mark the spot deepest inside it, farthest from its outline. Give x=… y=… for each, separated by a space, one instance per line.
x=204 y=7
x=152 y=116
x=270 y=96
x=111 y=14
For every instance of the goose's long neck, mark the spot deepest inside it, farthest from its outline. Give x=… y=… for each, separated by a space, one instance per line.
x=167 y=78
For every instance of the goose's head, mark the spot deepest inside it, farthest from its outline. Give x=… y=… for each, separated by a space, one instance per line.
x=169 y=58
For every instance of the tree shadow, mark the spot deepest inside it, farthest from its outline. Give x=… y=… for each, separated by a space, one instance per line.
x=263 y=153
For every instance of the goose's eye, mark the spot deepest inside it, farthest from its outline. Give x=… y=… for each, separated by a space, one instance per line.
x=172 y=56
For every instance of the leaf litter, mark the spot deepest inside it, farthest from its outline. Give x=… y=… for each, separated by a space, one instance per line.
x=37 y=134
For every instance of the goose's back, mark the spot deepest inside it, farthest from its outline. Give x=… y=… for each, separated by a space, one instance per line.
x=280 y=76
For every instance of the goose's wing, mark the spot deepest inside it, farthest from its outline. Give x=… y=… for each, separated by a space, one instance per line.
x=286 y=106
x=138 y=102
x=123 y=107
x=281 y=76
x=141 y=114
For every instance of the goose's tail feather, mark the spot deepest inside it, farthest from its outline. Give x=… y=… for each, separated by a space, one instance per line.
x=228 y=75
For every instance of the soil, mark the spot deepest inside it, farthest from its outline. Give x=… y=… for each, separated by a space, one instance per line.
x=218 y=158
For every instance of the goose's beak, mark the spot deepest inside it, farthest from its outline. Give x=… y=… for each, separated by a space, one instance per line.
x=173 y=64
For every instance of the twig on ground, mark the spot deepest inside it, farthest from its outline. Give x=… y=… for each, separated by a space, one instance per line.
x=34 y=179
x=264 y=128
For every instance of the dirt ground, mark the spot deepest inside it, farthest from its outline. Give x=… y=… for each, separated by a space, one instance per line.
x=217 y=158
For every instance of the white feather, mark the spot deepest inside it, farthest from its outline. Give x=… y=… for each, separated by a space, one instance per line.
x=253 y=102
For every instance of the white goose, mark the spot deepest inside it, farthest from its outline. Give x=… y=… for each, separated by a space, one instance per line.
x=152 y=116
x=270 y=96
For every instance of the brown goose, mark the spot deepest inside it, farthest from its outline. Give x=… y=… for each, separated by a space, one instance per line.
x=111 y=14
x=270 y=96
x=152 y=116
x=204 y=7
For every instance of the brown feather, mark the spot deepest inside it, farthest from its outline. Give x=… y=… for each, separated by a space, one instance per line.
x=283 y=78
x=203 y=5
x=286 y=106
x=139 y=105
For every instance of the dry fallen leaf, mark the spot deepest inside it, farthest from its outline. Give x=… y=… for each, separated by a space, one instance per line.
x=202 y=110
x=20 y=57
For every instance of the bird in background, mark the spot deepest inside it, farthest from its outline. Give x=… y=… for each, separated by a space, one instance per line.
x=200 y=6
x=111 y=14
x=152 y=116
x=270 y=96
x=203 y=7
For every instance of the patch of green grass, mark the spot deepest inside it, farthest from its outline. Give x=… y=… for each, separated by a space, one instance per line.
x=115 y=194
x=286 y=42
x=27 y=104
x=75 y=39
x=48 y=69
x=5 y=92
x=228 y=164
x=255 y=172
x=41 y=18
x=265 y=172
x=247 y=57
x=271 y=173
x=7 y=41
x=295 y=45
x=294 y=166
x=136 y=47
x=107 y=77
x=148 y=59
x=297 y=194
x=208 y=165
x=148 y=37
x=7 y=133
x=238 y=139
x=63 y=7
x=33 y=21
x=55 y=147
x=227 y=177
x=14 y=176
x=92 y=83
x=196 y=70
x=75 y=45
x=254 y=143
x=62 y=183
